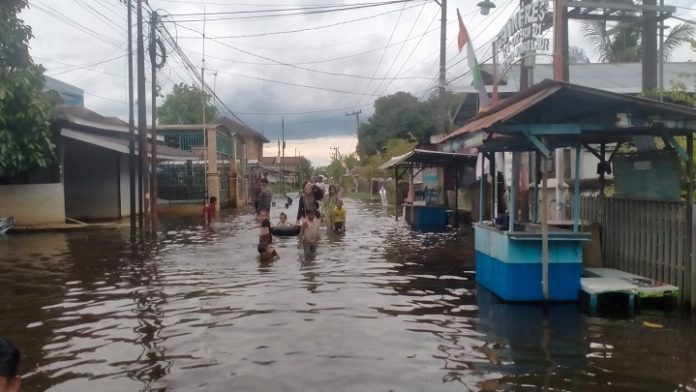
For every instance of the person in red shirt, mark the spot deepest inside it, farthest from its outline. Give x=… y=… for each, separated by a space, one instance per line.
x=209 y=210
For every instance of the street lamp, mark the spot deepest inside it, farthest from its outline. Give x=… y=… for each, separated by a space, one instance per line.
x=485 y=6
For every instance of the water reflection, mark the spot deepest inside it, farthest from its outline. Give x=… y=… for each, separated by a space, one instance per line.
x=379 y=308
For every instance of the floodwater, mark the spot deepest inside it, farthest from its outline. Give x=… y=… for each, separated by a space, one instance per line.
x=379 y=309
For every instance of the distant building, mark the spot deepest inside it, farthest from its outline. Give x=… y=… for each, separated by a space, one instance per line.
x=253 y=140
x=87 y=180
x=219 y=168
x=63 y=93
x=290 y=167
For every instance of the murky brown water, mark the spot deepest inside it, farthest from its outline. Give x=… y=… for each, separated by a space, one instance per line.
x=380 y=309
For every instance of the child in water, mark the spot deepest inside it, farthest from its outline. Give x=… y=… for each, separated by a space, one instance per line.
x=266 y=252
x=283 y=220
x=265 y=235
x=339 y=214
x=262 y=215
x=309 y=235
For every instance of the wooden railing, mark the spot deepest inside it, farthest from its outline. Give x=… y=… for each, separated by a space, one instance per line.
x=643 y=237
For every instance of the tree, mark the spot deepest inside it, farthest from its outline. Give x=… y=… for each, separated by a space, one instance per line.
x=395 y=147
x=25 y=110
x=624 y=45
x=577 y=55
x=184 y=106
x=304 y=169
x=397 y=116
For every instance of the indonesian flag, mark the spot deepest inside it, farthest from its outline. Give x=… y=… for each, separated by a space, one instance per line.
x=463 y=40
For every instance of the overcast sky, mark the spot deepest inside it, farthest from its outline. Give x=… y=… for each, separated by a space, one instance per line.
x=341 y=61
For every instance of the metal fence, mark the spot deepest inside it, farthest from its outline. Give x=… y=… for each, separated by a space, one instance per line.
x=643 y=237
x=181 y=182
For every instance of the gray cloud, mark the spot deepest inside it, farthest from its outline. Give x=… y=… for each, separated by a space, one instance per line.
x=61 y=39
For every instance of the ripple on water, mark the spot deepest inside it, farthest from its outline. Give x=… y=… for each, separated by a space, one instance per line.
x=380 y=308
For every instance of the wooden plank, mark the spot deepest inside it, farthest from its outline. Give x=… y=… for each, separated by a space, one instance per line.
x=627 y=222
x=653 y=223
x=631 y=233
x=681 y=242
x=643 y=245
x=673 y=260
x=657 y=267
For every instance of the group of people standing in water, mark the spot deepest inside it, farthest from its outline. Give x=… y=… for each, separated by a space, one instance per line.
x=314 y=209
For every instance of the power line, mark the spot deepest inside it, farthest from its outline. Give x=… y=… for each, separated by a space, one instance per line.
x=278 y=62
x=401 y=49
x=379 y=63
x=192 y=68
x=99 y=15
x=227 y=16
x=304 y=29
x=71 y=22
x=292 y=84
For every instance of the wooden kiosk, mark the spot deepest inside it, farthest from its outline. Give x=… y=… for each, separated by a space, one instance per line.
x=427 y=216
x=540 y=262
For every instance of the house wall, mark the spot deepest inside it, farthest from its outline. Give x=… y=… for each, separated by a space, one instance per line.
x=124 y=187
x=33 y=204
x=91 y=178
x=254 y=148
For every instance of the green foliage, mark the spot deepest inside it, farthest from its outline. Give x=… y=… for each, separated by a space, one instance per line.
x=394 y=147
x=577 y=55
x=184 y=106
x=25 y=110
x=677 y=94
x=400 y=116
x=305 y=170
x=625 y=46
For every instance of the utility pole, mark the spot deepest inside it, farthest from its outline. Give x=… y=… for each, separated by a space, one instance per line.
x=357 y=117
x=443 y=66
x=282 y=156
x=153 y=107
x=142 y=120
x=131 y=123
x=649 y=45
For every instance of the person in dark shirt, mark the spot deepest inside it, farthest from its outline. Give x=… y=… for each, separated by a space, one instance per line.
x=10 y=381
x=309 y=201
x=265 y=197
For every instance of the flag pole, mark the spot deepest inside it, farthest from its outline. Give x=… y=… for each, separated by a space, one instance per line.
x=495 y=73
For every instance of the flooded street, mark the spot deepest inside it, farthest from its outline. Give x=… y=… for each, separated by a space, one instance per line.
x=379 y=309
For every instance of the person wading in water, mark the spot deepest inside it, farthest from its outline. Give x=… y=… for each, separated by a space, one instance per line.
x=309 y=201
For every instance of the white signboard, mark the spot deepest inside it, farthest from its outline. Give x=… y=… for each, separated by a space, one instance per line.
x=524 y=33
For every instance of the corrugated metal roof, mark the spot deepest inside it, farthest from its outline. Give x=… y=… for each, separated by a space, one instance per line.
x=505 y=110
x=428 y=158
x=72 y=112
x=121 y=145
x=568 y=103
x=241 y=129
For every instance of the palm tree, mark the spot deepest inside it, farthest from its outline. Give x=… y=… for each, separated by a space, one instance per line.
x=577 y=55
x=624 y=44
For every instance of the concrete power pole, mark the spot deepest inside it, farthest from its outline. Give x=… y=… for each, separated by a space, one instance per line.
x=443 y=67
x=649 y=44
x=153 y=107
x=142 y=121
x=131 y=124
x=357 y=117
